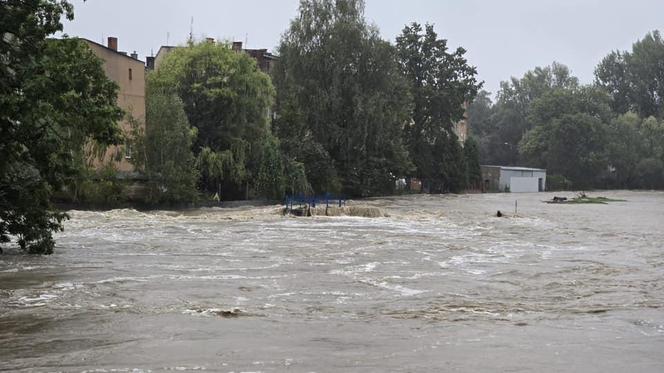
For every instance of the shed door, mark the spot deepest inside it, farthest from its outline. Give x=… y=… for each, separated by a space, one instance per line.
x=524 y=185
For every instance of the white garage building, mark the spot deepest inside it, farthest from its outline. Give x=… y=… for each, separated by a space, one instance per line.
x=513 y=179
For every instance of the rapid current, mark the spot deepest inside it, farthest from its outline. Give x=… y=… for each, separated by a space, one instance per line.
x=442 y=284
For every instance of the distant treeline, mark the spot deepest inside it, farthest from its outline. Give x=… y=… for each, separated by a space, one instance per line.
x=609 y=134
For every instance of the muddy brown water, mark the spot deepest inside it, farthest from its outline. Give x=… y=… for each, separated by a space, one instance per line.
x=439 y=285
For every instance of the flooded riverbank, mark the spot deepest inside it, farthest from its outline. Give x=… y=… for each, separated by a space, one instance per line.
x=439 y=285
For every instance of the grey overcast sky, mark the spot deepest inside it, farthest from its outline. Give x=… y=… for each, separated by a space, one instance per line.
x=503 y=38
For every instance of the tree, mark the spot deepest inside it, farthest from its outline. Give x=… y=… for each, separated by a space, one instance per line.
x=479 y=113
x=440 y=83
x=635 y=80
x=535 y=84
x=54 y=97
x=624 y=150
x=227 y=99
x=164 y=151
x=471 y=154
x=510 y=117
x=270 y=179
x=341 y=101
x=571 y=145
x=652 y=131
x=649 y=171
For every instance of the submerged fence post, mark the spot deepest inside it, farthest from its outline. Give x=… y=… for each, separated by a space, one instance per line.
x=516 y=204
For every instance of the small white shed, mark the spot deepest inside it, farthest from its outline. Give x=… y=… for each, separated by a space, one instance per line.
x=513 y=179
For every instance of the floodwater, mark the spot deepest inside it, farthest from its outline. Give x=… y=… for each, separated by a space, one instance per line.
x=440 y=285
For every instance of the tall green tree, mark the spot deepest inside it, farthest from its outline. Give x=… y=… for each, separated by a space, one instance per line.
x=471 y=154
x=227 y=99
x=624 y=150
x=164 y=152
x=650 y=168
x=54 y=97
x=635 y=79
x=569 y=135
x=479 y=113
x=440 y=83
x=510 y=118
x=341 y=101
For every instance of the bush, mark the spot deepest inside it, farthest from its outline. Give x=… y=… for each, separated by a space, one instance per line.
x=557 y=183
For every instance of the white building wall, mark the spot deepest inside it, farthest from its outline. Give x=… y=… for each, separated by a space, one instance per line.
x=507 y=175
x=524 y=185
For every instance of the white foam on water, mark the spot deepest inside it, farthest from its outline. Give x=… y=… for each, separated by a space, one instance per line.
x=212 y=312
x=125 y=279
x=226 y=277
x=39 y=301
x=362 y=268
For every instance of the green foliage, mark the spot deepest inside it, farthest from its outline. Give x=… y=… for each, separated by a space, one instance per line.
x=652 y=131
x=635 y=80
x=225 y=96
x=650 y=173
x=569 y=134
x=164 y=151
x=295 y=176
x=102 y=189
x=583 y=199
x=341 y=101
x=440 y=82
x=624 y=150
x=216 y=167
x=521 y=93
x=510 y=118
x=471 y=154
x=54 y=97
x=557 y=183
x=559 y=102
x=571 y=145
x=270 y=181
x=227 y=99
x=479 y=114
x=586 y=136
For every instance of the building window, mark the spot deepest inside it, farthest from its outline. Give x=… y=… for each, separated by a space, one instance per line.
x=128 y=151
x=130 y=74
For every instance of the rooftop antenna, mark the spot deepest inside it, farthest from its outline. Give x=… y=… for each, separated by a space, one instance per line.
x=168 y=37
x=191 y=31
x=246 y=40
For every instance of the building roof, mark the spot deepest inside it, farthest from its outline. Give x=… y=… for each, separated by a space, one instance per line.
x=263 y=52
x=113 y=50
x=514 y=168
x=166 y=48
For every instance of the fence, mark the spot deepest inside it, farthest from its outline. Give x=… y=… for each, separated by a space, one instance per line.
x=313 y=201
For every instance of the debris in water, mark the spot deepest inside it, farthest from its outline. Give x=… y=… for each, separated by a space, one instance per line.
x=582 y=198
x=228 y=314
x=357 y=211
x=235 y=312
